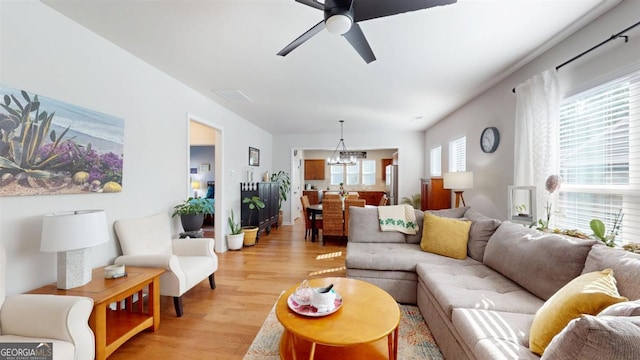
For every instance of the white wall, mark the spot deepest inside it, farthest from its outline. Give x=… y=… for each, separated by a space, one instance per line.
x=48 y=54
x=410 y=145
x=496 y=107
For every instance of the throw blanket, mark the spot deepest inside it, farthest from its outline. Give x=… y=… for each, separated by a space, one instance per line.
x=400 y=218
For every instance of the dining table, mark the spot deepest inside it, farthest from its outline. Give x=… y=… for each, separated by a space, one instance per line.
x=316 y=209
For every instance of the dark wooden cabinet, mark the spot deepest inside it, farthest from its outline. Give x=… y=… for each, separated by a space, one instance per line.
x=314 y=169
x=385 y=162
x=269 y=193
x=371 y=197
x=433 y=195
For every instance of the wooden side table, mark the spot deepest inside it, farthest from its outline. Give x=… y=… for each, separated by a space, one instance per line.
x=112 y=327
x=365 y=328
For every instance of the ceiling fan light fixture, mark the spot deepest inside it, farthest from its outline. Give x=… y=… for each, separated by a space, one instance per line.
x=338 y=24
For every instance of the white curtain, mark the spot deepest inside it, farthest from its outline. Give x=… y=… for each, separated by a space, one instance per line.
x=536 y=138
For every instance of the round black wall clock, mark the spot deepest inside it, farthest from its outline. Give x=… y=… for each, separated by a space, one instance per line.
x=490 y=139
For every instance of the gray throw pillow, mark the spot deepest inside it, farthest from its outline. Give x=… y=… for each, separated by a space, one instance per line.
x=597 y=338
x=627 y=308
x=482 y=227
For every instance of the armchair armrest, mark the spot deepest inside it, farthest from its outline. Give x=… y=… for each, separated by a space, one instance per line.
x=162 y=261
x=50 y=316
x=193 y=247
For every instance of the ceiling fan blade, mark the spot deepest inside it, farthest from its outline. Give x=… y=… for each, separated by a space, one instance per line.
x=359 y=42
x=312 y=3
x=371 y=9
x=302 y=38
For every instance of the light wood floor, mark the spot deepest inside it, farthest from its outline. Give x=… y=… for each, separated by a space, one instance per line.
x=222 y=323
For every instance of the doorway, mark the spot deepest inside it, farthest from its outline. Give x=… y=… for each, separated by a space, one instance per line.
x=205 y=171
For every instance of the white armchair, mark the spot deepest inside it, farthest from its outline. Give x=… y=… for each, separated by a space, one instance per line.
x=60 y=320
x=146 y=242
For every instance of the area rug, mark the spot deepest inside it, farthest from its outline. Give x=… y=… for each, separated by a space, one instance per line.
x=414 y=342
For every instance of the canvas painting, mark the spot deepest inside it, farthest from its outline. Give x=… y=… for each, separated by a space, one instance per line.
x=50 y=147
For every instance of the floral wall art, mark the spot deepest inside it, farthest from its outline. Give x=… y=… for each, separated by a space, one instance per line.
x=50 y=147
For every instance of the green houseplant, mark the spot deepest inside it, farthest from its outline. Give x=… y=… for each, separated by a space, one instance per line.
x=192 y=213
x=235 y=239
x=415 y=201
x=250 y=231
x=284 y=185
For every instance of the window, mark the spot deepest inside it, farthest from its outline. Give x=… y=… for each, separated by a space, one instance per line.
x=458 y=155
x=599 y=162
x=368 y=172
x=436 y=161
x=337 y=174
x=363 y=172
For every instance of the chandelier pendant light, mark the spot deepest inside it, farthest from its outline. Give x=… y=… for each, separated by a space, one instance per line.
x=337 y=158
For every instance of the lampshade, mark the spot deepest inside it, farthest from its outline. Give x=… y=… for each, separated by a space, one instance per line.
x=458 y=180
x=70 y=234
x=338 y=24
x=195 y=185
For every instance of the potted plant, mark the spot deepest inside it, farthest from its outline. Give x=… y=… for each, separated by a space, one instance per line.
x=284 y=185
x=250 y=231
x=415 y=200
x=192 y=213
x=235 y=239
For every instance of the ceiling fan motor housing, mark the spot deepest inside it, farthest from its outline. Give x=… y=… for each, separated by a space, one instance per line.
x=338 y=19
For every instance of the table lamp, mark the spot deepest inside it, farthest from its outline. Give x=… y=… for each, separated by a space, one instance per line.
x=458 y=181
x=195 y=185
x=71 y=234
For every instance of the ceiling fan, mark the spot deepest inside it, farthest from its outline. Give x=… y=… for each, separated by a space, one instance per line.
x=342 y=17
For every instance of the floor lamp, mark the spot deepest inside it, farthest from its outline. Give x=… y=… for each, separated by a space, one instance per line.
x=71 y=234
x=458 y=182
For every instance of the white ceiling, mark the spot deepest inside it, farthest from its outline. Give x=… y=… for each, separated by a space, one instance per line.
x=429 y=62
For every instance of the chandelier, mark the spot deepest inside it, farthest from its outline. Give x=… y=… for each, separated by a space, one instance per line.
x=340 y=155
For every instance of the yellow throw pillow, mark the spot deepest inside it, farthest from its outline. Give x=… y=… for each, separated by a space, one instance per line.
x=588 y=294
x=445 y=236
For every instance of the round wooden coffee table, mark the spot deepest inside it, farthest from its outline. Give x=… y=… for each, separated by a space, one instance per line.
x=365 y=327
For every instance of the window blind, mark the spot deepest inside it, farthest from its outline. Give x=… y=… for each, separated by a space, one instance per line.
x=436 y=161
x=600 y=157
x=458 y=155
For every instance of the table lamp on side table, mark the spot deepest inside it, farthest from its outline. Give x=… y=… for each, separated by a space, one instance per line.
x=458 y=181
x=71 y=234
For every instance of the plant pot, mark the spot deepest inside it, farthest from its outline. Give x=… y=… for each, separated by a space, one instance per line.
x=235 y=241
x=250 y=233
x=192 y=222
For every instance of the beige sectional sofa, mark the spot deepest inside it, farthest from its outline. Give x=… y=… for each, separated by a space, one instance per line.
x=483 y=306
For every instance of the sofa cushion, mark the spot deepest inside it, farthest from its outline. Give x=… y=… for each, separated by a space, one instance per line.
x=587 y=294
x=541 y=263
x=627 y=308
x=596 y=338
x=625 y=266
x=364 y=227
x=447 y=237
x=454 y=213
x=482 y=227
x=387 y=256
x=470 y=284
x=494 y=334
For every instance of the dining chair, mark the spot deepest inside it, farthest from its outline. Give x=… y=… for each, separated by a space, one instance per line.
x=353 y=195
x=308 y=226
x=347 y=204
x=383 y=200
x=332 y=218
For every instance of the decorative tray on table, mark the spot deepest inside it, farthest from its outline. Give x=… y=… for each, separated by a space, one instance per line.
x=306 y=309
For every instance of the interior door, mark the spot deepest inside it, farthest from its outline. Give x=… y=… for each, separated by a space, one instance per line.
x=296 y=188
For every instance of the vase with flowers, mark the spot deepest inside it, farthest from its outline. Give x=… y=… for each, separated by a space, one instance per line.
x=552 y=184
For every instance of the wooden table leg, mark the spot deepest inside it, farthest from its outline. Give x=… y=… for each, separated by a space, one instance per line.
x=154 y=302
x=313 y=351
x=313 y=226
x=98 y=323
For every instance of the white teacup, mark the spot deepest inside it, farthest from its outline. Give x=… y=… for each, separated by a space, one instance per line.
x=323 y=302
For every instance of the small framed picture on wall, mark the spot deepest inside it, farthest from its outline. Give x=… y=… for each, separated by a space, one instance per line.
x=254 y=156
x=194 y=170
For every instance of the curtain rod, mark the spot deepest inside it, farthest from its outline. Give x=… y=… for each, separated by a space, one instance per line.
x=613 y=37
